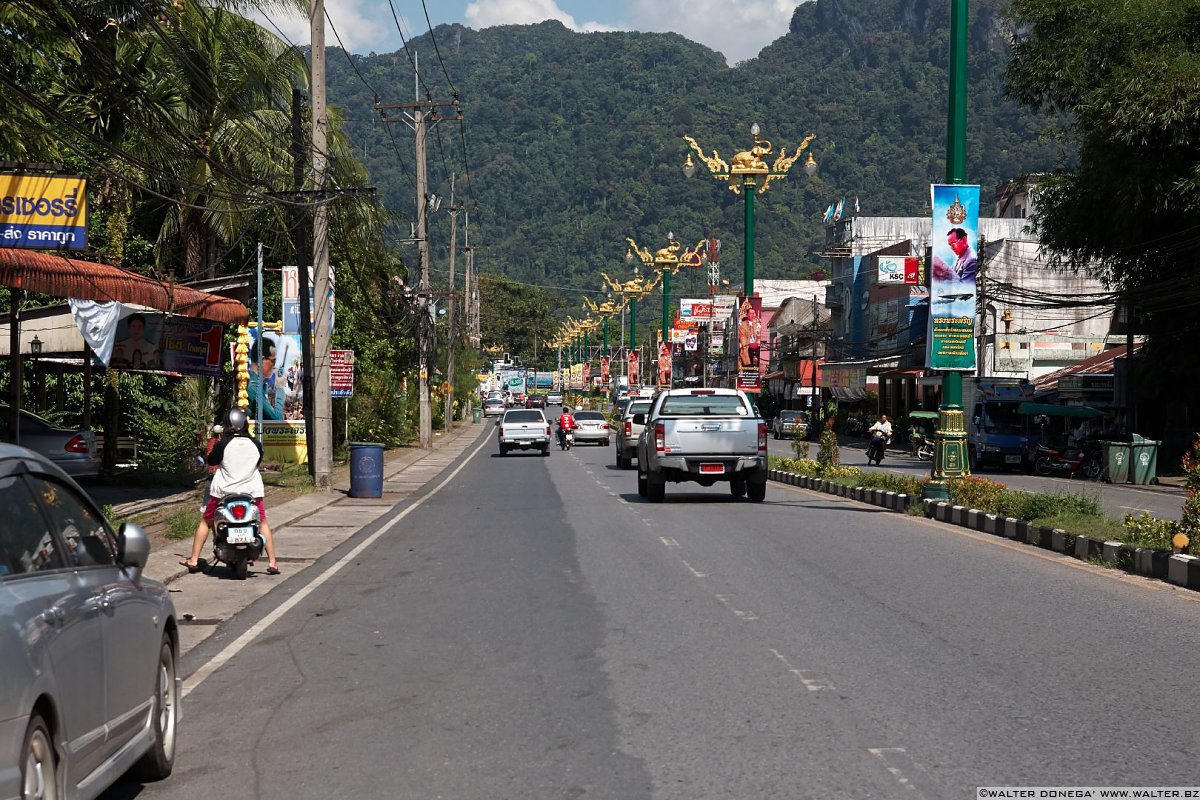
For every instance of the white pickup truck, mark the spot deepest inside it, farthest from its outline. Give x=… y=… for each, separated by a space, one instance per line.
x=704 y=436
x=524 y=429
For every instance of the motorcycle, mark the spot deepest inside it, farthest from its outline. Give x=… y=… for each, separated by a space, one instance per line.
x=876 y=447
x=565 y=439
x=854 y=426
x=236 y=538
x=1085 y=460
x=923 y=447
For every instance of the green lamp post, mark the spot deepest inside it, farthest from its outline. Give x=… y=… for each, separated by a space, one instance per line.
x=750 y=175
x=950 y=442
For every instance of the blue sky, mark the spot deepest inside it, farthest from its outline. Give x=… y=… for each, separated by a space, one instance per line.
x=736 y=28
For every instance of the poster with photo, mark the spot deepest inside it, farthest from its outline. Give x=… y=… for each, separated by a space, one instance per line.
x=749 y=341
x=951 y=339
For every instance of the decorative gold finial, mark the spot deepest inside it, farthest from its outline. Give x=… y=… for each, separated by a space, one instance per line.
x=241 y=355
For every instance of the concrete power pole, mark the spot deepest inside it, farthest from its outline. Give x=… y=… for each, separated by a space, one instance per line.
x=322 y=414
x=450 y=339
x=419 y=115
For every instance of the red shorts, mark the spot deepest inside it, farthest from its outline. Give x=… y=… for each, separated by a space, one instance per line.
x=210 y=509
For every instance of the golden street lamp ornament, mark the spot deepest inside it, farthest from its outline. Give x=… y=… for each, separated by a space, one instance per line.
x=749 y=174
x=632 y=290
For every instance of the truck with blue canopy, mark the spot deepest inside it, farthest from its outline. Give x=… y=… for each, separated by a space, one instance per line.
x=998 y=433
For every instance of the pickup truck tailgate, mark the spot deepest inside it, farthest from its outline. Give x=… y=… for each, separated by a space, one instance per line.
x=710 y=436
x=516 y=431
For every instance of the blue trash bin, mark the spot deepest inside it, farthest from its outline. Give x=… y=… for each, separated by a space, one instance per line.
x=366 y=469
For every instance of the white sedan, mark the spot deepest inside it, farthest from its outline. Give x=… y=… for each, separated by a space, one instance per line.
x=592 y=426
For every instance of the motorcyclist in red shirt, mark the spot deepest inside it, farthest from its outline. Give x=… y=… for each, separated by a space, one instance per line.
x=566 y=422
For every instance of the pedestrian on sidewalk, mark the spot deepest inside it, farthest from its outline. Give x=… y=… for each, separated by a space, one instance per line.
x=236 y=456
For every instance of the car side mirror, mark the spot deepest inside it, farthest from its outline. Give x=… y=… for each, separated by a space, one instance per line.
x=133 y=548
x=639 y=419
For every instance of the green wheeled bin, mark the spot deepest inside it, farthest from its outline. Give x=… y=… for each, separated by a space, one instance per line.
x=1116 y=461
x=1144 y=460
x=476 y=415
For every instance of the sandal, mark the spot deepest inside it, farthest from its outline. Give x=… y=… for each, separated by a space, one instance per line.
x=272 y=570
x=191 y=568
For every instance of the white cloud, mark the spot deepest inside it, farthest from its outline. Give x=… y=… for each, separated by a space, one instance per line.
x=358 y=22
x=488 y=13
x=737 y=28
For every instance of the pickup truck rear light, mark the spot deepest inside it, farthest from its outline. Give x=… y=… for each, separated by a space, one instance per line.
x=547 y=430
x=628 y=429
x=77 y=444
x=762 y=437
x=660 y=437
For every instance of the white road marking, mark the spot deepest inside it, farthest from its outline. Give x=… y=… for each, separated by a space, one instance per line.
x=237 y=645
x=812 y=684
x=667 y=540
x=1135 y=508
x=695 y=571
x=893 y=758
x=746 y=615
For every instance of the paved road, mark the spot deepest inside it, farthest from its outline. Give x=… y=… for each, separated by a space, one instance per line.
x=534 y=630
x=1117 y=501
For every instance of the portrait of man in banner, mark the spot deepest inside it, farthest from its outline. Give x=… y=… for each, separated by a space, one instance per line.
x=953 y=271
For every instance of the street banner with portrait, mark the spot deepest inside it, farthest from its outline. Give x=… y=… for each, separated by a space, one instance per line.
x=633 y=367
x=280 y=390
x=749 y=339
x=951 y=339
x=605 y=366
x=664 y=365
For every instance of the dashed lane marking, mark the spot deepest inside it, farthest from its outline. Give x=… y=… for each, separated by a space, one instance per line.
x=746 y=615
x=803 y=675
x=667 y=540
x=695 y=571
x=901 y=767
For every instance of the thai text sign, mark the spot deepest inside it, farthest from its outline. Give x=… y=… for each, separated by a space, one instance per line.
x=43 y=212
x=951 y=340
x=710 y=309
x=341 y=373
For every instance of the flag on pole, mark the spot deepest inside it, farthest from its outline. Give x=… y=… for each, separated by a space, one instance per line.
x=828 y=218
x=856 y=205
x=837 y=212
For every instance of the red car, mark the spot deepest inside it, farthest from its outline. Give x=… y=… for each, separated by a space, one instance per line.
x=535 y=401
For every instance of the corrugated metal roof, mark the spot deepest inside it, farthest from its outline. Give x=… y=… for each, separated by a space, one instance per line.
x=1099 y=364
x=86 y=280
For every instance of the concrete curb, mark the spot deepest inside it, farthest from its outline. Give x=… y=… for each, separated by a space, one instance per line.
x=1180 y=570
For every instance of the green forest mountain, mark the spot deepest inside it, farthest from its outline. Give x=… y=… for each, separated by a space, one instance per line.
x=575 y=140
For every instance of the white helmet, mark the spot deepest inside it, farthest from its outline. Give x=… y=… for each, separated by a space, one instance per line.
x=579 y=408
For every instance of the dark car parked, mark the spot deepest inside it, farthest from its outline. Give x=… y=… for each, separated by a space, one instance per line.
x=535 y=401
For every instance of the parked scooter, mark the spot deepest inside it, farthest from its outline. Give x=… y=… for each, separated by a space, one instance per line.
x=236 y=539
x=877 y=446
x=1085 y=460
x=923 y=447
x=854 y=426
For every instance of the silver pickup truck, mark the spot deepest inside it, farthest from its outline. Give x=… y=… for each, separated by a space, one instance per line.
x=705 y=436
x=524 y=429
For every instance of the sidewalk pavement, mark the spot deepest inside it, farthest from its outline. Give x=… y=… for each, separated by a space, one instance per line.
x=164 y=560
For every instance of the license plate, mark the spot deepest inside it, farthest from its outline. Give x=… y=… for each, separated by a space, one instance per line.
x=1012 y=459
x=244 y=535
x=713 y=469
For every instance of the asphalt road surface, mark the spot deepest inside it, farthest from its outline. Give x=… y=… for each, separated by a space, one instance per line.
x=534 y=630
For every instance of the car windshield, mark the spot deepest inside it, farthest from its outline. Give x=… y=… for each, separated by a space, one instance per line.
x=787 y=416
x=704 y=405
x=1003 y=419
x=592 y=415
x=523 y=416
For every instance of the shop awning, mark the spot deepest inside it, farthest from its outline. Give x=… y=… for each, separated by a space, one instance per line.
x=86 y=280
x=923 y=415
x=1049 y=410
x=848 y=393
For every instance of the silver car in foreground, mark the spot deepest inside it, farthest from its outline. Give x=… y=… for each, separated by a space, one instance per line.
x=592 y=426
x=88 y=647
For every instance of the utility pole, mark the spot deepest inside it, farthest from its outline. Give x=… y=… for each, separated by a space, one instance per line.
x=815 y=406
x=320 y=461
x=450 y=338
x=419 y=115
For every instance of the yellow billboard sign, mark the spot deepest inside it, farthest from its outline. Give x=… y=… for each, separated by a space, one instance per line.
x=43 y=211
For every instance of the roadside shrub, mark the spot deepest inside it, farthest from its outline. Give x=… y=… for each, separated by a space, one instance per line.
x=828 y=454
x=182 y=522
x=976 y=492
x=800 y=446
x=891 y=482
x=848 y=475
x=1149 y=531
x=1190 y=520
x=800 y=466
